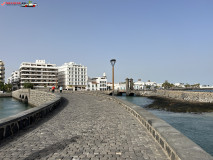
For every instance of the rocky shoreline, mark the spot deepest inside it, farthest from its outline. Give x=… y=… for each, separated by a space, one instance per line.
x=173 y=105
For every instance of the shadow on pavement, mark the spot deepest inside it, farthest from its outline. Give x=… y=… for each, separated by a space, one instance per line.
x=54 y=148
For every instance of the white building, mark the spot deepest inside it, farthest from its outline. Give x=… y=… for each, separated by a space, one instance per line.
x=179 y=85
x=92 y=86
x=9 y=80
x=117 y=86
x=98 y=83
x=109 y=85
x=205 y=86
x=72 y=76
x=150 y=83
x=121 y=86
x=2 y=71
x=14 y=80
x=139 y=85
x=159 y=85
x=15 y=77
x=39 y=74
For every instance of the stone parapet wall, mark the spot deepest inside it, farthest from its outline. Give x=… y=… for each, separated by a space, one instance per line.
x=174 y=143
x=34 y=97
x=5 y=94
x=44 y=102
x=202 y=97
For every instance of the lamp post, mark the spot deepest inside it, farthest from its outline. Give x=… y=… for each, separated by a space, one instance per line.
x=112 y=61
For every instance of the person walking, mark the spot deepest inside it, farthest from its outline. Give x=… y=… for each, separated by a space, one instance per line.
x=61 y=88
x=53 y=89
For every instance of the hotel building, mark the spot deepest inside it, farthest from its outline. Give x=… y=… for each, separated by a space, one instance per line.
x=98 y=83
x=2 y=71
x=72 y=76
x=39 y=74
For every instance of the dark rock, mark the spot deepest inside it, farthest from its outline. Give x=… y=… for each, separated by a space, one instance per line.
x=179 y=106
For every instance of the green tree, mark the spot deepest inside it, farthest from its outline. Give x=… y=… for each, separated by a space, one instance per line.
x=187 y=85
x=8 y=87
x=1 y=86
x=28 y=85
x=167 y=85
x=148 y=87
x=5 y=87
x=196 y=85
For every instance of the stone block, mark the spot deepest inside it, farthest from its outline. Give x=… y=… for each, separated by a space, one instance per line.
x=14 y=127
x=1 y=133
x=8 y=131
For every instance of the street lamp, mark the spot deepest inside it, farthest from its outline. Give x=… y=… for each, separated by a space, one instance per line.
x=112 y=61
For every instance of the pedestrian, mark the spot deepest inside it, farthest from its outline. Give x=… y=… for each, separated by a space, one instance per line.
x=53 y=89
x=61 y=88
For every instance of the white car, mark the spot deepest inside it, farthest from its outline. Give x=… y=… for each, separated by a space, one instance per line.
x=29 y=5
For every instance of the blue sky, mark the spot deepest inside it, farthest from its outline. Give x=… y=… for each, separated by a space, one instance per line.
x=153 y=40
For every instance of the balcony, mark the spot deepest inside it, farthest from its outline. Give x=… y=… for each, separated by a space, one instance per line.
x=41 y=66
x=40 y=71
x=33 y=78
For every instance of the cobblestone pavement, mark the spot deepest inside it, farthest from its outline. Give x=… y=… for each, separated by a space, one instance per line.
x=88 y=127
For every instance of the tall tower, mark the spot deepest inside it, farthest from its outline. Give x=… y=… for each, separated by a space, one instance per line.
x=2 y=71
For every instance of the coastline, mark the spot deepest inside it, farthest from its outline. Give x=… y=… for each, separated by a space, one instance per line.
x=174 y=105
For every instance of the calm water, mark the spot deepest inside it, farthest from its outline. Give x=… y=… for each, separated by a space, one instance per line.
x=11 y=106
x=197 y=127
x=200 y=90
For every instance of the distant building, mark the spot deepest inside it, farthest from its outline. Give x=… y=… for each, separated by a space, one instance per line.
x=98 y=83
x=92 y=86
x=159 y=85
x=15 y=77
x=15 y=80
x=117 y=86
x=9 y=80
x=150 y=83
x=109 y=86
x=206 y=86
x=39 y=74
x=2 y=71
x=181 y=85
x=139 y=85
x=72 y=76
x=121 y=86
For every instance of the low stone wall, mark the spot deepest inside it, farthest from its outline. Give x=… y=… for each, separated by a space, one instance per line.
x=174 y=143
x=202 y=97
x=47 y=102
x=33 y=97
x=5 y=94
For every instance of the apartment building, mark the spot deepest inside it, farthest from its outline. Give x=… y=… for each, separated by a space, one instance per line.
x=40 y=74
x=98 y=83
x=2 y=71
x=72 y=76
x=14 y=79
